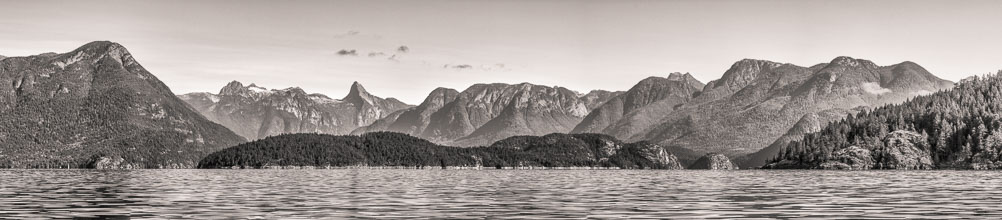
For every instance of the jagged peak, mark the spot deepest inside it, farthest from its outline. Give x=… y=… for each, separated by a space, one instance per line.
x=232 y=88
x=357 y=91
x=358 y=95
x=237 y=88
x=686 y=77
x=677 y=76
x=295 y=89
x=355 y=86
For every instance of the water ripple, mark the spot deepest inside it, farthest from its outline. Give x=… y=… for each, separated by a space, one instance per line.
x=506 y=194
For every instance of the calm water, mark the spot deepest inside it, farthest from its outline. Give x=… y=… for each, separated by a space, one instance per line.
x=394 y=194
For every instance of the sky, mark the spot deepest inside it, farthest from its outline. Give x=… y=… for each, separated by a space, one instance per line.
x=199 y=46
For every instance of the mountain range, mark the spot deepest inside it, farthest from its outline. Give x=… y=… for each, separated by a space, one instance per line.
x=255 y=112
x=757 y=102
x=97 y=106
x=485 y=113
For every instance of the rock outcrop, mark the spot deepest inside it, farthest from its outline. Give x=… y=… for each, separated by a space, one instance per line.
x=713 y=161
x=905 y=150
x=851 y=158
x=654 y=156
x=901 y=150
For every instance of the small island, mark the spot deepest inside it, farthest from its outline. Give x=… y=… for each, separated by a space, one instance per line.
x=397 y=150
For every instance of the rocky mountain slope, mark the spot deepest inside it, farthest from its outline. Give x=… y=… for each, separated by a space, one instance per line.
x=414 y=120
x=635 y=108
x=484 y=113
x=756 y=104
x=256 y=112
x=596 y=98
x=96 y=106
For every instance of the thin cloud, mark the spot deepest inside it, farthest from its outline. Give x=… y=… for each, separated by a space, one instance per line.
x=357 y=34
x=344 y=52
x=483 y=67
x=347 y=34
x=460 y=66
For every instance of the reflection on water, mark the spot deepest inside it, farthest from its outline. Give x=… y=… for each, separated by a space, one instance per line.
x=530 y=194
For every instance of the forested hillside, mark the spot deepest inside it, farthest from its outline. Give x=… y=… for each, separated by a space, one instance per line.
x=402 y=150
x=97 y=107
x=955 y=129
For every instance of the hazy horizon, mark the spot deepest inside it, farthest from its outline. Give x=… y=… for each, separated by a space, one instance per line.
x=199 y=46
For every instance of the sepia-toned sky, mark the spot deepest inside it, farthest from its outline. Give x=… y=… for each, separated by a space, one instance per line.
x=196 y=46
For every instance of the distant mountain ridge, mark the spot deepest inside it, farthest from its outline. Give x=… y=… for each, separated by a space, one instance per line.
x=97 y=107
x=485 y=113
x=256 y=112
x=414 y=120
x=756 y=102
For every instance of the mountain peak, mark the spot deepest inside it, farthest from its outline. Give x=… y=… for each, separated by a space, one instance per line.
x=103 y=47
x=440 y=96
x=852 y=62
x=677 y=76
x=357 y=93
x=744 y=72
x=232 y=88
x=99 y=45
x=750 y=65
x=357 y=90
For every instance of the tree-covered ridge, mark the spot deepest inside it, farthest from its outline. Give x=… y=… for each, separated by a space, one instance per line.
x=402 y=150
x=954 y=129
